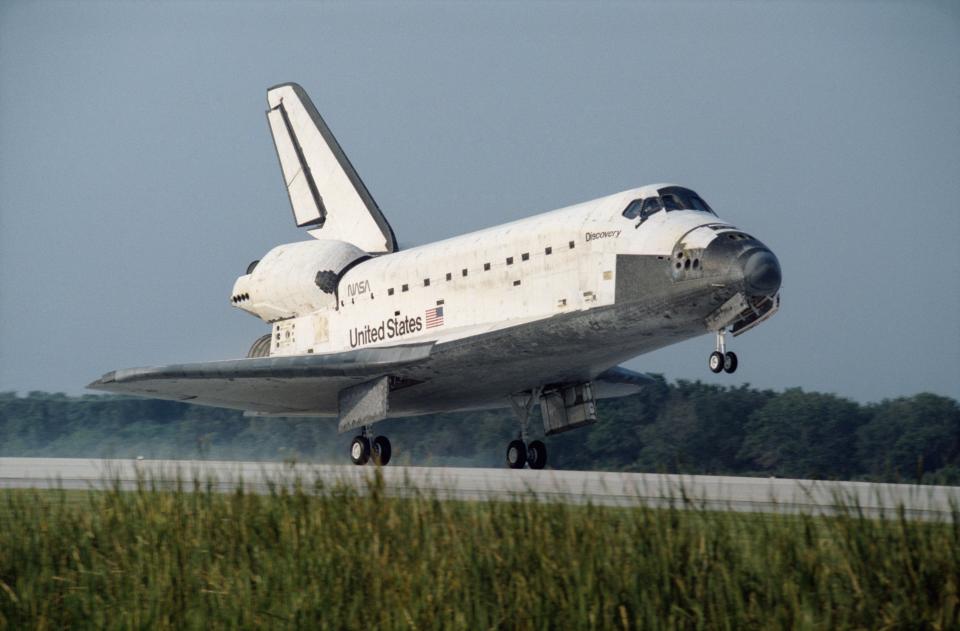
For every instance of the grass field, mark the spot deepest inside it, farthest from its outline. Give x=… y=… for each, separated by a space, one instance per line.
x=328 y=558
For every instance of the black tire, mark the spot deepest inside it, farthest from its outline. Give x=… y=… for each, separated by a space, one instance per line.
x=516 y=454
x=380 y=450
x=716 y=361
x=360 y=450
x=730 y=362
x=537 y=455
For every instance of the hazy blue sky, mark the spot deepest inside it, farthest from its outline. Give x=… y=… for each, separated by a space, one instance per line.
x=138 y=179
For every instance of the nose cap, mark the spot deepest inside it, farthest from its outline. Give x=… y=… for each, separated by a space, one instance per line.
x=761 y=273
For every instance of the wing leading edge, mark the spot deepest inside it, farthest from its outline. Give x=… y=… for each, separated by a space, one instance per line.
x=619 y=382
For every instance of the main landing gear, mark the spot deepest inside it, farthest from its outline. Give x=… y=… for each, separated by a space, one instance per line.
x=362 y=449
x=722 y=360
x=519 y=451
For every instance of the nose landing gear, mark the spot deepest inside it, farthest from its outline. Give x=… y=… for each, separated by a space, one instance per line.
x=722 y=360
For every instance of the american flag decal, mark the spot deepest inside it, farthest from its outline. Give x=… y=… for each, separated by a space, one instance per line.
x=434 y=317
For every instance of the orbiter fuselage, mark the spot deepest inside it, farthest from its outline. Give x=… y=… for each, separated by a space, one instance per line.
x=537 y=311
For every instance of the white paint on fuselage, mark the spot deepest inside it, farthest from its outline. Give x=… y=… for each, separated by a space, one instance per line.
x=520 y=272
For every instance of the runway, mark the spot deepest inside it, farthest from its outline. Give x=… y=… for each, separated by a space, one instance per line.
x=724 y=493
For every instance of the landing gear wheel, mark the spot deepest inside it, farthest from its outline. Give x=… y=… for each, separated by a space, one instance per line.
x=380 y=450
x=537 y=455
x=729 y=362
x=716 y=361
x=516 y=454
x=360 y=450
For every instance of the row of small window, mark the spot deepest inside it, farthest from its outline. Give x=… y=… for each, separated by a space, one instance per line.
x=486 y=267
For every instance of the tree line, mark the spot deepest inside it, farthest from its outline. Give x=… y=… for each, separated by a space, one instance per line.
x=679 y=427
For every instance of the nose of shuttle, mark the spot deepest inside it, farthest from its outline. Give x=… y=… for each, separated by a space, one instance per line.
x=761 y=272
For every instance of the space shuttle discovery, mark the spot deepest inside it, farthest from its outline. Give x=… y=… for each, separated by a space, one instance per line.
x=537 y=312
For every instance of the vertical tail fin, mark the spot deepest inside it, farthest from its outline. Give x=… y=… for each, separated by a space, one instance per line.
x=327 y=196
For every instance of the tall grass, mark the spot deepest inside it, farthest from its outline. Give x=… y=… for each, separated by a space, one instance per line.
x=306 y=556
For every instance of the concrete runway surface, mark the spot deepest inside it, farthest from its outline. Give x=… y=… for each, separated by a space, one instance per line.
x=599 y=488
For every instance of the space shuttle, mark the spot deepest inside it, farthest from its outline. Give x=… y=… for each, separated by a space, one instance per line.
x=538 y=312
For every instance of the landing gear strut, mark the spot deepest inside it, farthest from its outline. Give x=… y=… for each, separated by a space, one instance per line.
x=362 y=449
x=722 y=360
x=519 y=451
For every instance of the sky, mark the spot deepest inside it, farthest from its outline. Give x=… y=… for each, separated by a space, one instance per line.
x=138 y=178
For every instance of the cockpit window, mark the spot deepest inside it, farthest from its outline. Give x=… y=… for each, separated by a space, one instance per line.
x=650 y=206
x=631 y=211
x=670 y=198
x=679 y=198
x=699 y=204
x=672 y=202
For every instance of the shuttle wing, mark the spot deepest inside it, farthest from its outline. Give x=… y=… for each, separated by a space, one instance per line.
x=619 y=382
x=327 y=196
x=624 y=376
x=268 y=385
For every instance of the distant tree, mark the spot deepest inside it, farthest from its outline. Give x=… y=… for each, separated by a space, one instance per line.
x=666 y=442
x=687 y=427
x=803 y=434
x=700 y=429
x=911 y=436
